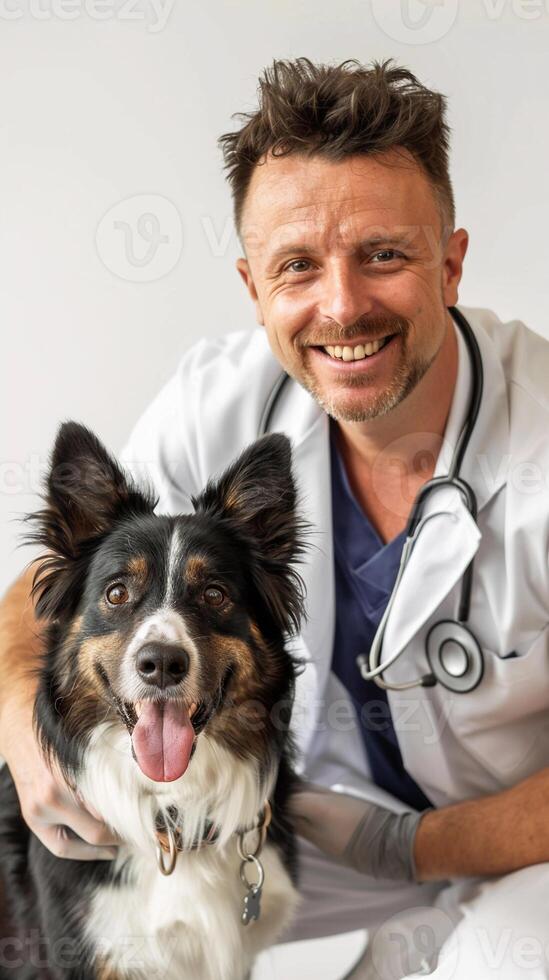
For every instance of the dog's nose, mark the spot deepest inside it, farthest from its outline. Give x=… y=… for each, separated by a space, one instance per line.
x=162 y=664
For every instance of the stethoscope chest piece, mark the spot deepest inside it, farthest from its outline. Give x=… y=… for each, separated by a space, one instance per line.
x=454 y=656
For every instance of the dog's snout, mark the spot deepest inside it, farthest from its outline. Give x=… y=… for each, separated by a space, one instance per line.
x=162 y=664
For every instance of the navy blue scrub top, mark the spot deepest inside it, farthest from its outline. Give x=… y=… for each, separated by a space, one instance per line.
x=365 y=572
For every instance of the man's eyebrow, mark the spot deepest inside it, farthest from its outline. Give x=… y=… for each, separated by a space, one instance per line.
x=369 y=241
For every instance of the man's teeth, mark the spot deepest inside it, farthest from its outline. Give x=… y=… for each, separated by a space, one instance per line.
x=357 y=353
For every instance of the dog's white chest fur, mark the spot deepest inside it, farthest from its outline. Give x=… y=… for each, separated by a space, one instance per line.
x=188 y=924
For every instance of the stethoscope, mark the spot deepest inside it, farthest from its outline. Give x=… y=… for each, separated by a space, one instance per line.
x=453 y=653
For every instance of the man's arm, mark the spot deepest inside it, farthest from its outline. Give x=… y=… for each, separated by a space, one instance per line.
x=493 y=835
x=47 y=804
x=20 y=648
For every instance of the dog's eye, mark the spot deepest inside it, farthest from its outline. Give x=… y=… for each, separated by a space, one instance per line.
x=214 y=596
x=117 y=594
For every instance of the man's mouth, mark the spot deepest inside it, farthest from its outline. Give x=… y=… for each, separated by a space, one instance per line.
x=357 y=351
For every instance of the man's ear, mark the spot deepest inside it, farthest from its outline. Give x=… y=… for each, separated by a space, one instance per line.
x=87 y=493
x=452 y=266
x=244 y=269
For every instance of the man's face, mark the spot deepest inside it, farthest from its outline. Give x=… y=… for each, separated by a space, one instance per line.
x=342 y=258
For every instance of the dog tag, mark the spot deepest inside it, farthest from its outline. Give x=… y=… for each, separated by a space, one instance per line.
x=251 y=907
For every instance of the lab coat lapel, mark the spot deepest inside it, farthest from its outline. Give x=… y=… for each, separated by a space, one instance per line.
x=486 y=462
x=446 y=543
x=445 y=547
x=300 y=417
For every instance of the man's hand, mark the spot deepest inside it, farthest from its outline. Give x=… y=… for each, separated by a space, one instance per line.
x=49 y=807
x=364 y=836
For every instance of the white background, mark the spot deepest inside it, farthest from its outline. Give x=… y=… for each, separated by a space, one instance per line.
x=99 y=111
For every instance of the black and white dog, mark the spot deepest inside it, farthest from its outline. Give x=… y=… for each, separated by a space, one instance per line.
x=165 y=695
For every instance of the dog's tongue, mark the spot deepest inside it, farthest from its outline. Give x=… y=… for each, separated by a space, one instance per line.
x=163 y=739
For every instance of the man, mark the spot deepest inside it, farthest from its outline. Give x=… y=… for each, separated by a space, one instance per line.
x=345 y=211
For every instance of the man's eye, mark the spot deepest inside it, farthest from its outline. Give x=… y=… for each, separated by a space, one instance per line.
x=294 y=262
x=389 y=254
x=117 y=594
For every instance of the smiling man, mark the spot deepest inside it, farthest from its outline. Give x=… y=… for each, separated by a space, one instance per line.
x=351 y=270
x=344 y=208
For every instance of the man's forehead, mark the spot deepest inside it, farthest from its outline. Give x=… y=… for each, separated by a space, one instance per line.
x=295 y=198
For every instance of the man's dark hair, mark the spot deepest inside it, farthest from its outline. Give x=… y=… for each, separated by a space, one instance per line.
x=335 y=111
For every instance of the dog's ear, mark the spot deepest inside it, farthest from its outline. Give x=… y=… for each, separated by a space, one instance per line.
x=87 y=493
x=257 y=497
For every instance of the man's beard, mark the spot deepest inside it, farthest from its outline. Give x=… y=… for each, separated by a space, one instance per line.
x=404 y=380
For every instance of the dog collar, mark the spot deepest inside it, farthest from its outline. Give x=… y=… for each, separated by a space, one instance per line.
x=169 y=839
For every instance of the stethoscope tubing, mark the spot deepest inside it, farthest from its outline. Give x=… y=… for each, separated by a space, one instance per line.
x=371 y=665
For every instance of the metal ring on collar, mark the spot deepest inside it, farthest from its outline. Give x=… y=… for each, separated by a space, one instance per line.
x=258 y=885
x=261 y=829
x=167 y=869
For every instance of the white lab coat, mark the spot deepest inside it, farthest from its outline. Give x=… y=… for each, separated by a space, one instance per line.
x=454 y=745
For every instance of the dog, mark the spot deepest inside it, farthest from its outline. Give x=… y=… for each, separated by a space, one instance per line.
x=164 y=695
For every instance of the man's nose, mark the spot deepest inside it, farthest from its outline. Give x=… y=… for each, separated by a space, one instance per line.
x=344 y=293
x=162 y=664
